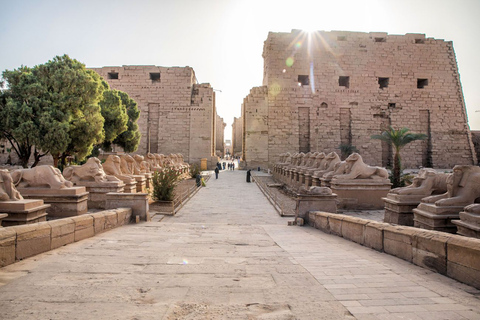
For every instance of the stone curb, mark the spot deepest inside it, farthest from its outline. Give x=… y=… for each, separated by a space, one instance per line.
x=455 y=256
x=20 y=242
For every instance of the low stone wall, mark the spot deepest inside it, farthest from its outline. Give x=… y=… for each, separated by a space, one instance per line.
x=452 y=255
x=20 y=242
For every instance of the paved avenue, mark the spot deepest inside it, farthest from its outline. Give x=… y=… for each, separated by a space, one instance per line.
x=226 y=255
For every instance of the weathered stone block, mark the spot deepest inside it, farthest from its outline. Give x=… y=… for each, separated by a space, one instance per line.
x=335 y=223
x=398 y=208
x=398 y=241
x=98 y=221
x=311 y=218
x=429 y=249
x=361 y=193
x=463 y=274
x=353 y=229
x=63 y=232
x=23 y=212
x=8 y=237
x=138 y=202
x=65 y=202
x=464 y=251
x=32 y=239
x=2 y=216
x=98 y=192
x=124 y=216
x=432 y=217
x=321 y=221
x=373 y=235
x=312 y=202
x=110 y=219
x=84 y=227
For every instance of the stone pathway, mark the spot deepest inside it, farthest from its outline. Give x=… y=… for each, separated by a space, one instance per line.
x=226 y=255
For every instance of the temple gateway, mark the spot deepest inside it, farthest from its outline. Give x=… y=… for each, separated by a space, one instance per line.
x=326 y=89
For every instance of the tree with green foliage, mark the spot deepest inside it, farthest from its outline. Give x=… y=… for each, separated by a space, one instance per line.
x=130 y=138
x=53 y=107
x=164 y=182
x=346 y=150
x=398 y=138
x=115 y=114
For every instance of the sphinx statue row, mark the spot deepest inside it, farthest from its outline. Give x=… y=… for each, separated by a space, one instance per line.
x=357 y=185
x=23 y=191
x=318 y=169
x=439 y=201
x=125 y=168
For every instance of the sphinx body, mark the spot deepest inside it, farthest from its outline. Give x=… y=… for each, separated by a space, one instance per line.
x=127 y=164
x=463 y=187
x=92 y=170
x=330 y=165
x=141 y=166
x=8 y=192
x=40 y=177
x=357 y=169
x=427 y=182
x=112 y=167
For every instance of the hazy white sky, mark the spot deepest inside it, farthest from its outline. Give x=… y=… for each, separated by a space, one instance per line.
x=222 y=39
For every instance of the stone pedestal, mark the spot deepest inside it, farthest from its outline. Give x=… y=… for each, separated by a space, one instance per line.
x=308 y=180
x=295 y=182
x=148 y=181
x=66 y=202
x=361 y=194
x=23 y=211
x=468 y=225
x=138 y=202
x=97 y=191
x=325 y=182
x=141 y=183
x=130 y=187
x=314 y=202
x=301 y=178
x=399 y=208
x=431 y=217
x=2 y=216
x=316 y=182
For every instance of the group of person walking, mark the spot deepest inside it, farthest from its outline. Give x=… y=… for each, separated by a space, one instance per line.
x=230 y=166
x=224 y=166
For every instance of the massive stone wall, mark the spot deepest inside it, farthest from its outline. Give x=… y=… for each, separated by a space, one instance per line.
x=177 y=114
x=256 y=129
x=220 y=136
x=237 y=127
x=324 y=89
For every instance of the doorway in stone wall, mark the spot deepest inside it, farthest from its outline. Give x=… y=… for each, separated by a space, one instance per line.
x=304 y=129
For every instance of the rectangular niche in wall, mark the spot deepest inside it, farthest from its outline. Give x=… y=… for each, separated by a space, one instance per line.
x=303 y=80
x=344 y=81
x=155 y=76
x=422 y=83
x=383 y=83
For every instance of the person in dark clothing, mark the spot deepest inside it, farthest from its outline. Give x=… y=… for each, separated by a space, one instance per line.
x=219 y=166
x=198 y=180
x=248 y=175
x=216 y=173
x=224 y=166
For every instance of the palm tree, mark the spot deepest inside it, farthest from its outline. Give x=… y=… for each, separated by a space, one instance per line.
x=346 y=150
x=398 y=139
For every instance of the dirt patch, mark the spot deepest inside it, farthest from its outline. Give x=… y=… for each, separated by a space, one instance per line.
x=195 y=311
